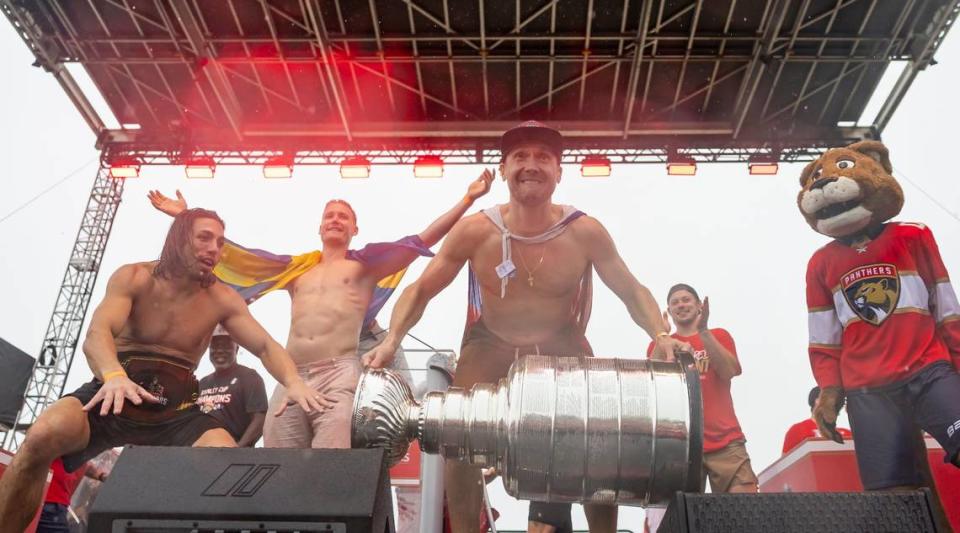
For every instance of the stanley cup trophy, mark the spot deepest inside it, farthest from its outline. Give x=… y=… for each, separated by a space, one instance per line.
x=558 y=429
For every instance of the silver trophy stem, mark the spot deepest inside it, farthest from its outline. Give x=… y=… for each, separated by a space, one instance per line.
x=565 y=429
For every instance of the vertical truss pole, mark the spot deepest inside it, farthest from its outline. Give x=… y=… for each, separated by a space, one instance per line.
x=52 y=366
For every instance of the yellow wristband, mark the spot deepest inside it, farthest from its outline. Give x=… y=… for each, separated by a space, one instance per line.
x=115 y=374
x=662 y=334
x=466 y=198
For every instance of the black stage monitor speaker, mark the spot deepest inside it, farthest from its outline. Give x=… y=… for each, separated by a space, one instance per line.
x=163 y=489
x=15 y=370
x=800 y=512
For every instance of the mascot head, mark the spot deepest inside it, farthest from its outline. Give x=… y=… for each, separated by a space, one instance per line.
x=848 y=191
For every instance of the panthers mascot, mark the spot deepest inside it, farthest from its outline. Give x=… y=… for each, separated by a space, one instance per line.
x=884 y=320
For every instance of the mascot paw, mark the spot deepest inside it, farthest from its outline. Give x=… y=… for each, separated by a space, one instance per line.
x=825 y=412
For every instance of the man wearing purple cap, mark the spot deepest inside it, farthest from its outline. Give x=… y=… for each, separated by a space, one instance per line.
x=531 y=264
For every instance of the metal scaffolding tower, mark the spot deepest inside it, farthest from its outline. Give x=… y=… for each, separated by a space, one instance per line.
x=60 y=342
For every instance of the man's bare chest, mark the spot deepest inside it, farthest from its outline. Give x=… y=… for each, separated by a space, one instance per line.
x=176 y=320
x=332 y=277
x=554 y=267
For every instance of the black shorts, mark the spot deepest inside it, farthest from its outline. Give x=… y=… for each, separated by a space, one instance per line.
x=183 y=428
x=886 y=423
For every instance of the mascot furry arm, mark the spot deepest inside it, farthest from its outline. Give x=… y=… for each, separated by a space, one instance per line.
x=879 y=299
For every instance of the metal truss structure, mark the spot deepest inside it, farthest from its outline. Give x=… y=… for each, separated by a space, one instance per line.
x=52 y=366
x=784 y=76
x=238 y=81
x=147 y=155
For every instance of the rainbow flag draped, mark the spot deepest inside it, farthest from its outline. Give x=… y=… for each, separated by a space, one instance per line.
x=253 y=272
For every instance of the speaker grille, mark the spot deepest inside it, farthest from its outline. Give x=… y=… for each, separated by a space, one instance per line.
x=869 y=512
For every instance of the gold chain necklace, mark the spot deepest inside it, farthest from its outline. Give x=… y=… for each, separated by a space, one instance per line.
x=535 y=268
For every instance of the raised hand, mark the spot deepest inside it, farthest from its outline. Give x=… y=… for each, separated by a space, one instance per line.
x=666 y=322
x=704 y=316
x=167 y=205
x=481 y=185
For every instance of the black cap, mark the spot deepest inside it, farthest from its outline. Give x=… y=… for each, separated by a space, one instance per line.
x=682 y=287
x=531 y=131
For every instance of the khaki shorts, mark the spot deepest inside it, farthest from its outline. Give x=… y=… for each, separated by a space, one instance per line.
x=337 y=379
x=727 y=468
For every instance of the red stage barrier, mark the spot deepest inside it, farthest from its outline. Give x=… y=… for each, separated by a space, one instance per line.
x=406 y=473
x=5 y=458
x=819 y=465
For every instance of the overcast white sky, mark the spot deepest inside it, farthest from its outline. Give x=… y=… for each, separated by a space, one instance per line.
x=737 y=238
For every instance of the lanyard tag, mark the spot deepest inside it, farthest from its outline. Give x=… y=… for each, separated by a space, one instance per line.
x=506 y=269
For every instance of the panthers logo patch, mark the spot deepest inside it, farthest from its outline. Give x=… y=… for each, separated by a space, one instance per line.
x=872 y=291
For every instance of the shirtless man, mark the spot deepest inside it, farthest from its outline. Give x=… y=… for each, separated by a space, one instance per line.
x=329 y=303
x=144 y=341
x=543 y=309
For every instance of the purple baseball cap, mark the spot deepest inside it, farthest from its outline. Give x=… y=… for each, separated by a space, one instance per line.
x=531 y=131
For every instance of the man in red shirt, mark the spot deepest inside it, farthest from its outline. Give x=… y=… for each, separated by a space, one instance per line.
x=807 y=429
x=725 y=458
x=53 y=516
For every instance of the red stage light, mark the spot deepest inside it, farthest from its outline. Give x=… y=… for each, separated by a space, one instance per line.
x=124 y=168
x=764 y=169
x=355 y=167
x=278 y=167
x=200 y=168
x=428 y=166
x=595 y=167
x=763 y=165
x=681 y=167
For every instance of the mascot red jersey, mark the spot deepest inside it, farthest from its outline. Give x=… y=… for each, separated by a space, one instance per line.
x=884 y=320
